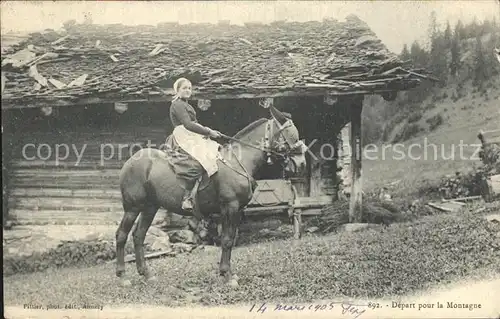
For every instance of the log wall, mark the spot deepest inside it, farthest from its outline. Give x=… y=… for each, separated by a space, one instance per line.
x=70 y=189
x=77 y=184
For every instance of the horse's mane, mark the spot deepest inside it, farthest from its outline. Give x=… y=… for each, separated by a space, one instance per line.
x=250 y=127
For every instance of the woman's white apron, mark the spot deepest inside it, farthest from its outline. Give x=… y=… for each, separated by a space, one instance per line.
x=201 y=148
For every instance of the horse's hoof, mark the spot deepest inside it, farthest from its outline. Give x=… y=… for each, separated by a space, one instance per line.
x=125 y=283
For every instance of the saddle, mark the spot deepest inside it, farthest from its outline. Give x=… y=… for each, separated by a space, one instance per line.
x=186 y=168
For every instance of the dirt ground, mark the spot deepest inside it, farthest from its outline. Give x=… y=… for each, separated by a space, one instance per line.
x=483 y=293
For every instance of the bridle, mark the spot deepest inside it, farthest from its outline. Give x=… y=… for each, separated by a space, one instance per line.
x=268 y=140
x=267 y=145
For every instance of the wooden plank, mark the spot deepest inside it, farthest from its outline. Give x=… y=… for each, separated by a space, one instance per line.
x=72 y=216
x=71 y=165
x=315 y=201
x=297 y=224
x=131 y=257
x=355 y=206
x=467 y=198
x=59 y=203
x=85 y=101
x=316 y=179
x=63 y=179
x=446 y=206
x=65 y=207
x=312 y=212
x=61 y=192
x=60 y=184
x=47 y=205
x=64 y=172
x=344 y=160
x=490 y=136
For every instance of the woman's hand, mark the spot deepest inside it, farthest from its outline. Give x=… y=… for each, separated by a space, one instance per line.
x=214 y=134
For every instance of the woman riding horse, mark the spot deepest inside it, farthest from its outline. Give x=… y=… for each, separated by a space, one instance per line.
x=192 y=138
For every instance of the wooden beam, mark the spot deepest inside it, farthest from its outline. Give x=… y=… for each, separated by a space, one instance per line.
x=355 y=206
x=21 y=103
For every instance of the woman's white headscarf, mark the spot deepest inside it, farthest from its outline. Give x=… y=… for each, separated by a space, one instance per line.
x=177 y=85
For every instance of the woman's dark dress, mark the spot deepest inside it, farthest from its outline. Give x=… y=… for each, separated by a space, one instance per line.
x=185 y=166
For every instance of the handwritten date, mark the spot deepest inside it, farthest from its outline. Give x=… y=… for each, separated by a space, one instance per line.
x=346 y=308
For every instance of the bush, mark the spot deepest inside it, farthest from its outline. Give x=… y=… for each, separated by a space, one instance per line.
x=414 y=117
x=409 y=131
x=375 y=211
x=430 y=106
x=461 y=185
x=65 y=255
x=434 y=122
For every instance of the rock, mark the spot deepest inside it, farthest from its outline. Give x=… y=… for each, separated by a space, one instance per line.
x=182 y=236
x=176 y=221
x=493 y=218
x=354 y=227
x=193 y=224
x=157 y=232
x=204 y=234
x=285 y=229
x=13 y=250
x=264 y=232
x=157 y=239
x=93 y=237
x=160 y=244
x=273 y=223
x=182 y=248
x=312 y=229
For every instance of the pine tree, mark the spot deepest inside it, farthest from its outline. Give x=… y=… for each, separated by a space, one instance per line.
x=491 y=59
x=418 y=55
x=459 y=30
x=433 y=31
x=473 y=29
x=455 y=55
x=405 y=54
x=448 y=35
x=438 y=60
x=480 y=64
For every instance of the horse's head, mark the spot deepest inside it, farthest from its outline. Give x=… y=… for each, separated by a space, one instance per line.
x=286 y=142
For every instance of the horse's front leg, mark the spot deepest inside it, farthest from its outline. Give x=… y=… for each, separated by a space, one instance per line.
x=230 y=222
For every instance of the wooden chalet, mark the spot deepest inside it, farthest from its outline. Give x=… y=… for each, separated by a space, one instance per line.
x=104 y=89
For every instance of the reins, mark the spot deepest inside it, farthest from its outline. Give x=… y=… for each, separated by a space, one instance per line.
x=268 y=149
x=250 y=145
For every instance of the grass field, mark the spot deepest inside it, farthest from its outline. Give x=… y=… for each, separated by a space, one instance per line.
x=394 y=260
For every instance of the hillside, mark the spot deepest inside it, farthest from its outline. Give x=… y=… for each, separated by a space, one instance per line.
x=462 y=119
x=445 y=114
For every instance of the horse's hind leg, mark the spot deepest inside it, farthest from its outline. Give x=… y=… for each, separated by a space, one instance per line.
x=139 y=234
x=121 y=239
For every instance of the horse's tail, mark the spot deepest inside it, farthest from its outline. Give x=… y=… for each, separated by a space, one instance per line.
x=133 y=179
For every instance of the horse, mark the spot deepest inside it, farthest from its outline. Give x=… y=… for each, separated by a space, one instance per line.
x=148 y=182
